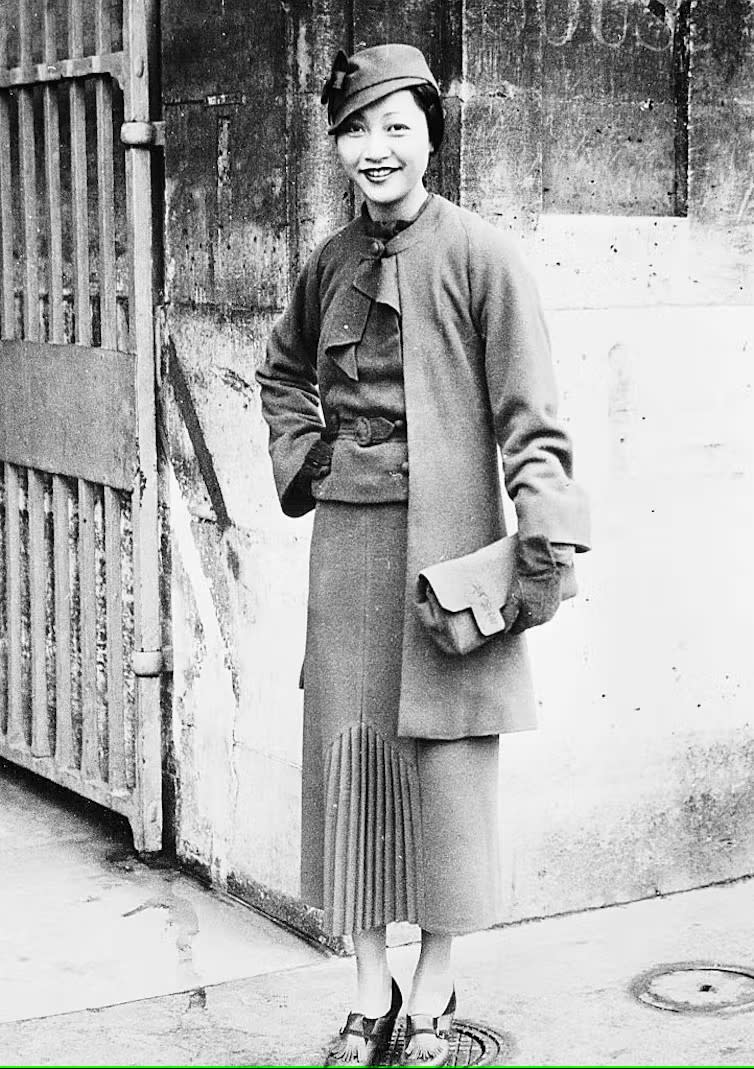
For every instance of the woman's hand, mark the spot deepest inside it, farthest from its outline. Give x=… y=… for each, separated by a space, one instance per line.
x=535 y=594
x=298 y=499
x=317 y=461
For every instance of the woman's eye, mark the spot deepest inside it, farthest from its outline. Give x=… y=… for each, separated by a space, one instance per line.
x=354 y=128
x=399 y=127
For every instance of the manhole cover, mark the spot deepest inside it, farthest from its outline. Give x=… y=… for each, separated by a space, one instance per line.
x=470 y=1044
x=697 y=987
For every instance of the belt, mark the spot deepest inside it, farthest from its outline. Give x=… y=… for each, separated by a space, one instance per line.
x=366 y=430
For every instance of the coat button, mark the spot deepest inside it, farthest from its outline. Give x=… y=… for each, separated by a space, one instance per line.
x=404 y=468
x=377 y=248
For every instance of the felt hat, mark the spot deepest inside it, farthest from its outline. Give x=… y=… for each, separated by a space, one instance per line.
x=358 y=80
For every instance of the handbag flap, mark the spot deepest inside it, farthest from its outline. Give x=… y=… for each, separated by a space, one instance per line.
x=478 y=581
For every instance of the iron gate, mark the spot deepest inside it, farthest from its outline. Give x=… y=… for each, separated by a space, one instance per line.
x=79 y=623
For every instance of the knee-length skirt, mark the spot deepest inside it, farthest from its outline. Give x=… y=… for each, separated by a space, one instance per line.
x=393 y=829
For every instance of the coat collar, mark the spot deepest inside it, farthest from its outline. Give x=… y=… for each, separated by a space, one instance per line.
x=424 y=225
x=377 y=278
x=374 y=279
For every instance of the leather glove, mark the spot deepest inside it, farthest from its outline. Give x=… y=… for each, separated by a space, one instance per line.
x=317 y=461
x=534 y=595
x=298 y=498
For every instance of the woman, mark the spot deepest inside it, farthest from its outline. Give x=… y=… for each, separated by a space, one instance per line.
x=414 y=337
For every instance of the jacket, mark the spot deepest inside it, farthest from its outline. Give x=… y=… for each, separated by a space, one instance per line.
x=478 y=378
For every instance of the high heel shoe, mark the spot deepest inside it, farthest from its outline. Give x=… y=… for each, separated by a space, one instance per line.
x=363 y=1040
x=434 y=1046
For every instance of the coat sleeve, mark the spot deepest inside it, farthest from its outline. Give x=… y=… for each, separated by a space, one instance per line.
x=290 y=395
x=536 y=450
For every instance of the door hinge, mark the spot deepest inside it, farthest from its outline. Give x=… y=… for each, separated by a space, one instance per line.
x=149 y=663
x=143 y=134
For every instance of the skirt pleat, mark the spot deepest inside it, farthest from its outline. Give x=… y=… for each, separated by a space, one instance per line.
x=369 y=909
x=363 y=821
x=379 y=830
x=409 y=848
x=368 y=887
x=388 y=873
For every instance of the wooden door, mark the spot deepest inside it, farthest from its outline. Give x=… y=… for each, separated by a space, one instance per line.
x=80 y=638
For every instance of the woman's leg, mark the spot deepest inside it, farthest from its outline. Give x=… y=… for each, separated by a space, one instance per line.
x=373 y=977
x=363 y=1041
x=433 y=978
x=427 y=1027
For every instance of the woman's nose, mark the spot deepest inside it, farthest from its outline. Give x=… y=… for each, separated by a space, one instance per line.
x=376 y=147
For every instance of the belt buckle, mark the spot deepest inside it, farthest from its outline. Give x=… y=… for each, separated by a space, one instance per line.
x=362 y=431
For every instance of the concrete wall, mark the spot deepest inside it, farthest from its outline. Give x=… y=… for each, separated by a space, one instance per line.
x=639 y=779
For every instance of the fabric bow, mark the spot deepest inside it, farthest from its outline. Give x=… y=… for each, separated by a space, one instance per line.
x=334 y=83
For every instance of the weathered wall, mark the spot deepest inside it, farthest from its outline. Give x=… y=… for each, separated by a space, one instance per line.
x=639 y=778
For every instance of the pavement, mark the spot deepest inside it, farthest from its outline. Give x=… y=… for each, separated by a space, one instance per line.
x=107 y=961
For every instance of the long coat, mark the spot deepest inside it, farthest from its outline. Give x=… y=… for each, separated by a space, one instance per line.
x=477 y=376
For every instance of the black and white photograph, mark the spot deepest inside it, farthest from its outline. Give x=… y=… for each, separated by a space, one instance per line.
x=376 y=527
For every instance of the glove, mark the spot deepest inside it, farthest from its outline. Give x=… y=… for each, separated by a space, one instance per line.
x=534 y=594
x=317 y=461
x=298 y=497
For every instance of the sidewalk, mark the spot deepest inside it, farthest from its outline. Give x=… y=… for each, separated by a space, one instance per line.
x=105 y=961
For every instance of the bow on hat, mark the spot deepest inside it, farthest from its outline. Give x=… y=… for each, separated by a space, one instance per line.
x=334 y=86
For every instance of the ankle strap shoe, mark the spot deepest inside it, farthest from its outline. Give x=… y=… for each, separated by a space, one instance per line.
x=428 y=1038
x=363 y=1040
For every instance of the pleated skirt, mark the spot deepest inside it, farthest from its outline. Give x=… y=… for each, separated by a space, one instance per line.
x=393 y=829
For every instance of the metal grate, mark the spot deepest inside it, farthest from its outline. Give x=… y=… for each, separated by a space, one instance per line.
x=470 y=1044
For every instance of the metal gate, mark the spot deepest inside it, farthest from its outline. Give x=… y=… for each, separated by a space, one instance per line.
x=79 y=623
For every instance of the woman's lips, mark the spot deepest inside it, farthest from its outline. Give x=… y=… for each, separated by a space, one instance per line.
x=377 y=174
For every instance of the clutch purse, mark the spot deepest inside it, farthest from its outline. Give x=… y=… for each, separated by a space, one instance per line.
x=460 y=601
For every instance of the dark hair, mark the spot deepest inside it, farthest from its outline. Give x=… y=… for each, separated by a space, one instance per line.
x=429 y=101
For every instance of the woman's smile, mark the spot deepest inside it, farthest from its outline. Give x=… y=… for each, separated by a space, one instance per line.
x=378 y=174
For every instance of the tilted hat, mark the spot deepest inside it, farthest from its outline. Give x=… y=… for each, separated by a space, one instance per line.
x=358 y=80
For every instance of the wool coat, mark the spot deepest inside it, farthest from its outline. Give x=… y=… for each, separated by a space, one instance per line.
x=477 y=378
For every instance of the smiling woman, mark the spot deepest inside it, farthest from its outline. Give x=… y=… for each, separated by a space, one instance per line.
x=414 y=337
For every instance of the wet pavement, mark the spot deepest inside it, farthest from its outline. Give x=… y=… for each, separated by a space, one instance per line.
x=106 y=961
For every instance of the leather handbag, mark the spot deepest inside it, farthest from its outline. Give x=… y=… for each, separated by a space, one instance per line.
x=460 y=601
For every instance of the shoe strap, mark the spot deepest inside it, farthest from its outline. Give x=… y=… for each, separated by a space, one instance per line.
x=423 y=1024
x=358 y=1025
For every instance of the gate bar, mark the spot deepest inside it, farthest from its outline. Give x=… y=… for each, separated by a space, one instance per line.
x=61 y=538
x=40 y=735
x=15 y=732
x=63 y=69
x=139 y=21
x=31 y=317
x=88 y=632
x=52 y=175
x=30 y=213
x=8 y=307
x=79 y=189
x=115 y=681
x=28 y=170
x=105 y=185
x=56 y=331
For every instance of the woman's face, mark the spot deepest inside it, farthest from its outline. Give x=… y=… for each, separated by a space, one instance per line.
x=384 y=149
